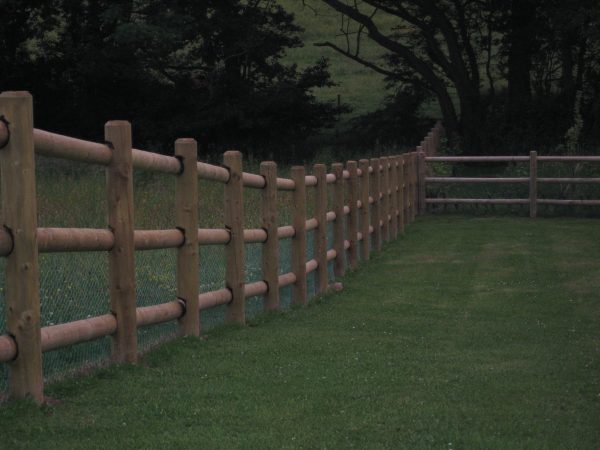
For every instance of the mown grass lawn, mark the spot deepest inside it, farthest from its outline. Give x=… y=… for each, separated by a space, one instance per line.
x=464 y=333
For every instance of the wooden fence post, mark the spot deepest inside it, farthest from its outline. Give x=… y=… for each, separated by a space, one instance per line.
x=320 y=236
x=19 y=213
x=385 y=199
x=413 y=185
x=339 y=263
x=401 y=194
x=532 y=184
x=353 y=215
x=299 y=296
x=119 y=187
x=234 y=250
x=422 y=173
x=393 y=196
x=376 y=207
x=186 y=200
x=365 y=210
x=270 y=250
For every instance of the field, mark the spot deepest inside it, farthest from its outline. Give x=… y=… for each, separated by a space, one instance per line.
x=361 y=88
x=464 y=333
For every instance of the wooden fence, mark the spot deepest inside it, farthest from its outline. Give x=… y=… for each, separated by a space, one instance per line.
x=532 y=180
x=375 y=198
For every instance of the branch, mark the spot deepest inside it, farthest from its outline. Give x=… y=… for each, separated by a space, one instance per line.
x=357 y=58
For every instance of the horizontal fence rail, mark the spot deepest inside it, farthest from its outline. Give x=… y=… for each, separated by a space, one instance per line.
x=532 y=180
x=373 y=202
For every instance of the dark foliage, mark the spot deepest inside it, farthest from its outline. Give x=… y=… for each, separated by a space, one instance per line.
x=209 y=69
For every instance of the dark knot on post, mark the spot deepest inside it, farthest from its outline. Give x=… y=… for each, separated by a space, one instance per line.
x=4 y=132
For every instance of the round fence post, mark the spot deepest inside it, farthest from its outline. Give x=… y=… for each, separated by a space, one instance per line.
x=533 y=184
x=270 y=250
x=19 y=215
x=320 y=236
x=186 y=211
x=376 y=207
x=353 y=215
x=299 y=295
x=365 y=209
x=385 y=199
x=119 y=185
x=234 y=250
x=339 y=263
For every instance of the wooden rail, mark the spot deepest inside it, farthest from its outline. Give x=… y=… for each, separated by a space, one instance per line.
x=370 y=202
x=532 y=180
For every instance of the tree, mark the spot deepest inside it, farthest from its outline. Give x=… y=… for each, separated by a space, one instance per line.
x=211 y=69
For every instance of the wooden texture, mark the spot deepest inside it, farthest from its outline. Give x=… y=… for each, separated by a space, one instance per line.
x=186 y=214
x=385 y=199
x=479 y=158
x=413 y=186
x=270 y=250
x=339 y=264
x=422 y=173
x=481 y=201
x=476 y=180
x=119 y=188
x=401 y=194
x=393 y=196
x=19 y=214
x=320 y=234
x=376 y=206
x=353 y=214
x=532 y=184
x=234 y=250
x=365 y=209
x=299 y=296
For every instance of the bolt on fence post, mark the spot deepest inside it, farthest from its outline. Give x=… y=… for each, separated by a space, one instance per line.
x=119 y=187
x=532 y=184
x=353 y=215
x=376 y=207
x=299 y=296
x=365 y=209
x=422 y=173
x=186 y=206
x=19 y=213
x=339 y=263
x=385 y=200
x=270 y=250
x=234 y=250
x=320 y=236
x=394 y=196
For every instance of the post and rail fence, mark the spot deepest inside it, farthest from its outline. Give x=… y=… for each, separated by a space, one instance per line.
x=374 y=201
x=533 y=180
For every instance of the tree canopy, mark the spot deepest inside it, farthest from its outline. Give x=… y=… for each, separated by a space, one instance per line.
x=502 y=72
x=210 y=69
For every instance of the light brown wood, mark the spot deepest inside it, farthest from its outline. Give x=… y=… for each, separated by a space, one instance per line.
x=213 y=173
x=405 y=189
x=299 y=294
x=352 y=168
x=19 y=214
x=477 y=180
x=186 y=214
x=421 y=175
x=119 y=188
x=481 y=201
x=413 y=186
x=393 y=196
x=161 y=313
x=479 y=158
x=71 y=333
x=339 y=264
x=385 y=199
x=365 y=209
x=401 y=194
x=234 y=250
x=532 y=184
x=8 y=348
x=376 y=206
x=320 y=234
x=270 y=250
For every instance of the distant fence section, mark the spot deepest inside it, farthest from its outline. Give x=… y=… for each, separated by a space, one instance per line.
x=373 y=201
x=533 y=181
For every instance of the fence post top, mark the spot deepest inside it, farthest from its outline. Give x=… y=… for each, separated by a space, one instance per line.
x=351 y=164
x=337 y=167
x=232 y=154
x=186 y=141
x=268 y=164
x=15 y=94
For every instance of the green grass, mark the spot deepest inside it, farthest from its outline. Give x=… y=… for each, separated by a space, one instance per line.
x=464 y=333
